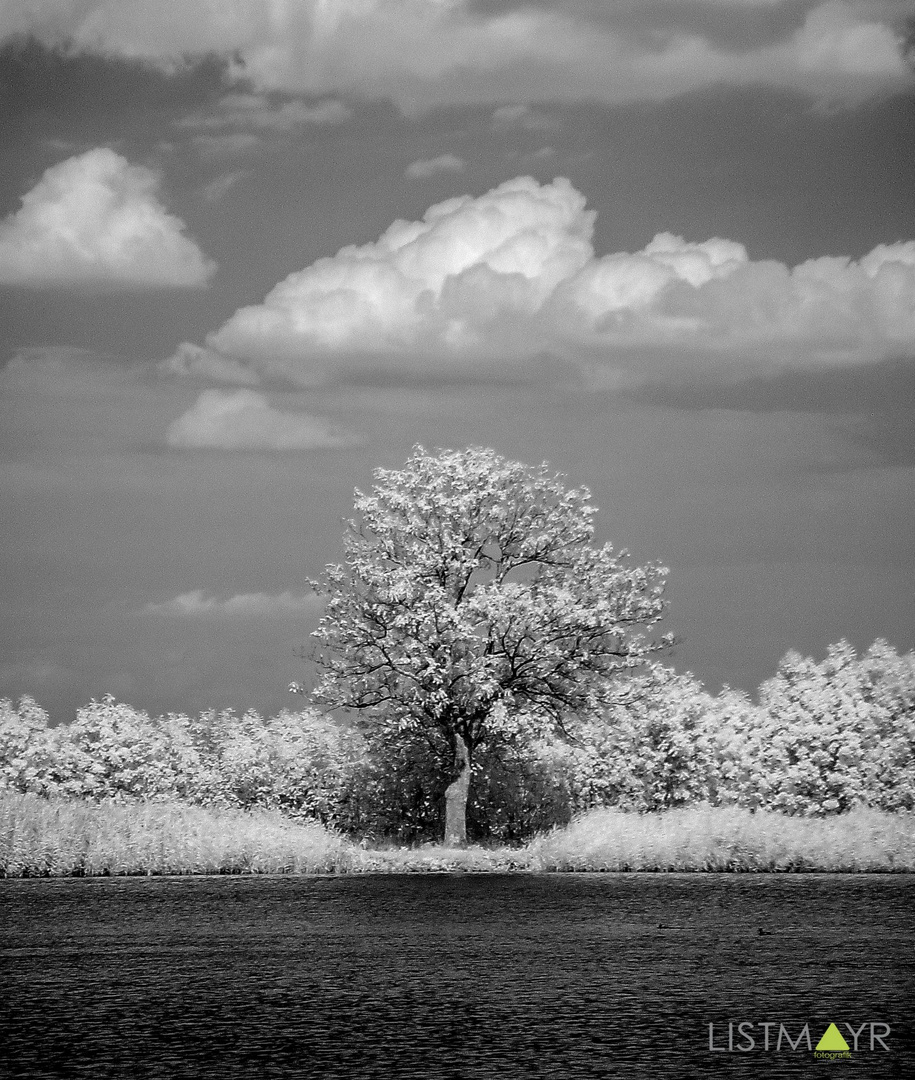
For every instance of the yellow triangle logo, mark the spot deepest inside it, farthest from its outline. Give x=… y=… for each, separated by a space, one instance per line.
x=832 y=1039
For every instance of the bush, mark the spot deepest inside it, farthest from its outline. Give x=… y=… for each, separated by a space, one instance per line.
x=296 y=762
x=825 y=737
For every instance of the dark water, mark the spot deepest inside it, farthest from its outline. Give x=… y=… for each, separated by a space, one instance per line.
x=451 y=976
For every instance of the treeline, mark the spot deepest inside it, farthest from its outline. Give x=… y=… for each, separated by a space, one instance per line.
x=823 y=738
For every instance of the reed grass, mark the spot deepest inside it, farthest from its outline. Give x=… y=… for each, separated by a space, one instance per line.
x=59 y=837
x=705 y=838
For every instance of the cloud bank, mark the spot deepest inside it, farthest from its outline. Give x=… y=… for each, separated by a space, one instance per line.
x=196 y=605
x=245 y=420
x=513 y=274
x=423 y=53
x=95 y=221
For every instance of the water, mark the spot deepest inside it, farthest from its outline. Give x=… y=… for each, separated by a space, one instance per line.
x=449 y=976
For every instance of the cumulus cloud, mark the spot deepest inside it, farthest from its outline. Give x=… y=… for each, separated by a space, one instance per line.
x=196 y=604
x=245 y=420
x=96 y=221
x=426 y=167
x=433 y=285
x=423 y=53
x=513 y=274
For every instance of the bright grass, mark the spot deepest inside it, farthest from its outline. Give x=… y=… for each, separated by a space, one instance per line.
x=57 y=837
x=705 y=838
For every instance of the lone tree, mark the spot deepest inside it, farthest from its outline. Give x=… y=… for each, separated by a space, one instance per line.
x=472 y=605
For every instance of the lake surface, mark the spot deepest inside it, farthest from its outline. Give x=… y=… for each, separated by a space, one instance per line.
x=451 y=976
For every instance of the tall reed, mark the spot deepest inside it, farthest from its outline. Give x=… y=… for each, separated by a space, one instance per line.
x=42 y=837
x=705 y=838
x=60 y=837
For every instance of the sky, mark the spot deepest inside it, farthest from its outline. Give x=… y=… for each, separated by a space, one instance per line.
x=251 y=251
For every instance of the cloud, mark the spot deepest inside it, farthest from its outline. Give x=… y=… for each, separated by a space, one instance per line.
x=95 y=221
x=426 y=167
x=512 y=274
x=52 y=369
x=221 y=185
x=191 y=361
x=245 y=420
x=196 y=605
x=428 y=286
x=423 y=53
x=537 y=157
x=259 y=112
x=523 y=116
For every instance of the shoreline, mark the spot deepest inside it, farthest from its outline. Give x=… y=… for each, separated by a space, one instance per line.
x=451 y=872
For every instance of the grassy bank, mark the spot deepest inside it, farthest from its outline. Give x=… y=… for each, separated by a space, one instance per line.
x=42 y=837
x=59 y=837
x=704 y=838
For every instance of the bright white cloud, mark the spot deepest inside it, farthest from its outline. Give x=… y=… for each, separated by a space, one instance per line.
x=245 y=420
x=423 y=53
x=434 y=285
x=513 y=274
x=426 y=167
x=96 y=221
x=196 y=604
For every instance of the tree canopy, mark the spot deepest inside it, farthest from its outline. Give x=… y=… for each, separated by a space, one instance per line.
x=472 y=604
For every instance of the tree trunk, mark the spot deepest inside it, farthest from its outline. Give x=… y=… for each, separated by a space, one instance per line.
x=456 y=796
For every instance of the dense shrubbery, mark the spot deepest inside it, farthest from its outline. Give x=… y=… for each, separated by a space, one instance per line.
x=298 y=763
x=824 y=738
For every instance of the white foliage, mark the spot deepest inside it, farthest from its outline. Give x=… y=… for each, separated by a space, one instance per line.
x=472 y=602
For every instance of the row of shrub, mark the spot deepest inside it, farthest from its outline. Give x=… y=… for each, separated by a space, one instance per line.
x=822 y=738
